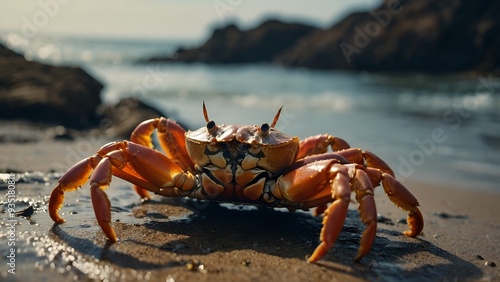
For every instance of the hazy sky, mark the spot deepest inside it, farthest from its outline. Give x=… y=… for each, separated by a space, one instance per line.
x=160 y=18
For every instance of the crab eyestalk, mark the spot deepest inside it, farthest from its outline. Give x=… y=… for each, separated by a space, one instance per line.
x=264 y=129
x=211 y=127
x=205 y=113
x=276 y=117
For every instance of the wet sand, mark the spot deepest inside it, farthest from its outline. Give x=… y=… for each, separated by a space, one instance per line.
x=181 y=240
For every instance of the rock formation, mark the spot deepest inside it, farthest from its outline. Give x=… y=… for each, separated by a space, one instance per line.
x=231 y=45
x=52 y=94
x=67 y=96
x=425 y=35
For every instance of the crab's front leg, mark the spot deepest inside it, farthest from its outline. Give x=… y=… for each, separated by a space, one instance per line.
x=74 y=178
x=135 y=163
x=320 y=182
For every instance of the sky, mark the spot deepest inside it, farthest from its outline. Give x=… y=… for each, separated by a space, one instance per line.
x=162 y=19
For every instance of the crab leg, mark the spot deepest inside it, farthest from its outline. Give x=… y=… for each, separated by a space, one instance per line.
x=102 y=208
x=365 y=158
x=363 y=189
x=334 y=216
x=75 y=177
x=379 y=171
x=400 y=196
x=316 y=183
x=151 y=165
x=319 y=144
x=135 y=163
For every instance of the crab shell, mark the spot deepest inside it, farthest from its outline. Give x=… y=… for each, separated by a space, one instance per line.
x=258 y=146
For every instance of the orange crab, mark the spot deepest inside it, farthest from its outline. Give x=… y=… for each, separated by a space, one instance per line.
x=244 y=164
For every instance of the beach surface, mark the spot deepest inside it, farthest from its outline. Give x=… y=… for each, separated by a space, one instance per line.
x=182 y=240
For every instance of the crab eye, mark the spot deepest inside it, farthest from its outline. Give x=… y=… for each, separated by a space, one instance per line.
x=264 y=129
x=210 y=125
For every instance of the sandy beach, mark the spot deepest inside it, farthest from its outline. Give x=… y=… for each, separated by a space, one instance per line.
x=180 y=240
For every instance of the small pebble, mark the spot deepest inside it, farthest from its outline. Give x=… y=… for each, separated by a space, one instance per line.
x=442 y=214
x=479 y=257
x=245 y=263
x=490 y=263
x=383 y=219
x=196 y=266
x=402 y=221
x=191 y=266
x=447 y=215
x=26 y=212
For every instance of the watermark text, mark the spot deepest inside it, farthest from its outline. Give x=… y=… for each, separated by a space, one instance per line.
x=11 y=223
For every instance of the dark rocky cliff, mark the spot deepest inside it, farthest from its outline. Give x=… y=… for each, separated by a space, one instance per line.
x=40 y=92
x=67 y=96
x=422 y=36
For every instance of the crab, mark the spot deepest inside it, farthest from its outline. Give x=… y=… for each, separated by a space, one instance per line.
x=248 y=164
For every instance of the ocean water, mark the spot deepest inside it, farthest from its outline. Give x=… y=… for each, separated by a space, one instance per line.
x=442 y=129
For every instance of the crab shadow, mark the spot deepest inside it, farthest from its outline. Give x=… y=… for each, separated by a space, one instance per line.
x=281 y=234
x=88 y=247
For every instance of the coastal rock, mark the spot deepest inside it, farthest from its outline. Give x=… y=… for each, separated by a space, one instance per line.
x=38 y=92
x=426 y=35
x=232 y=45
x=64 y=96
